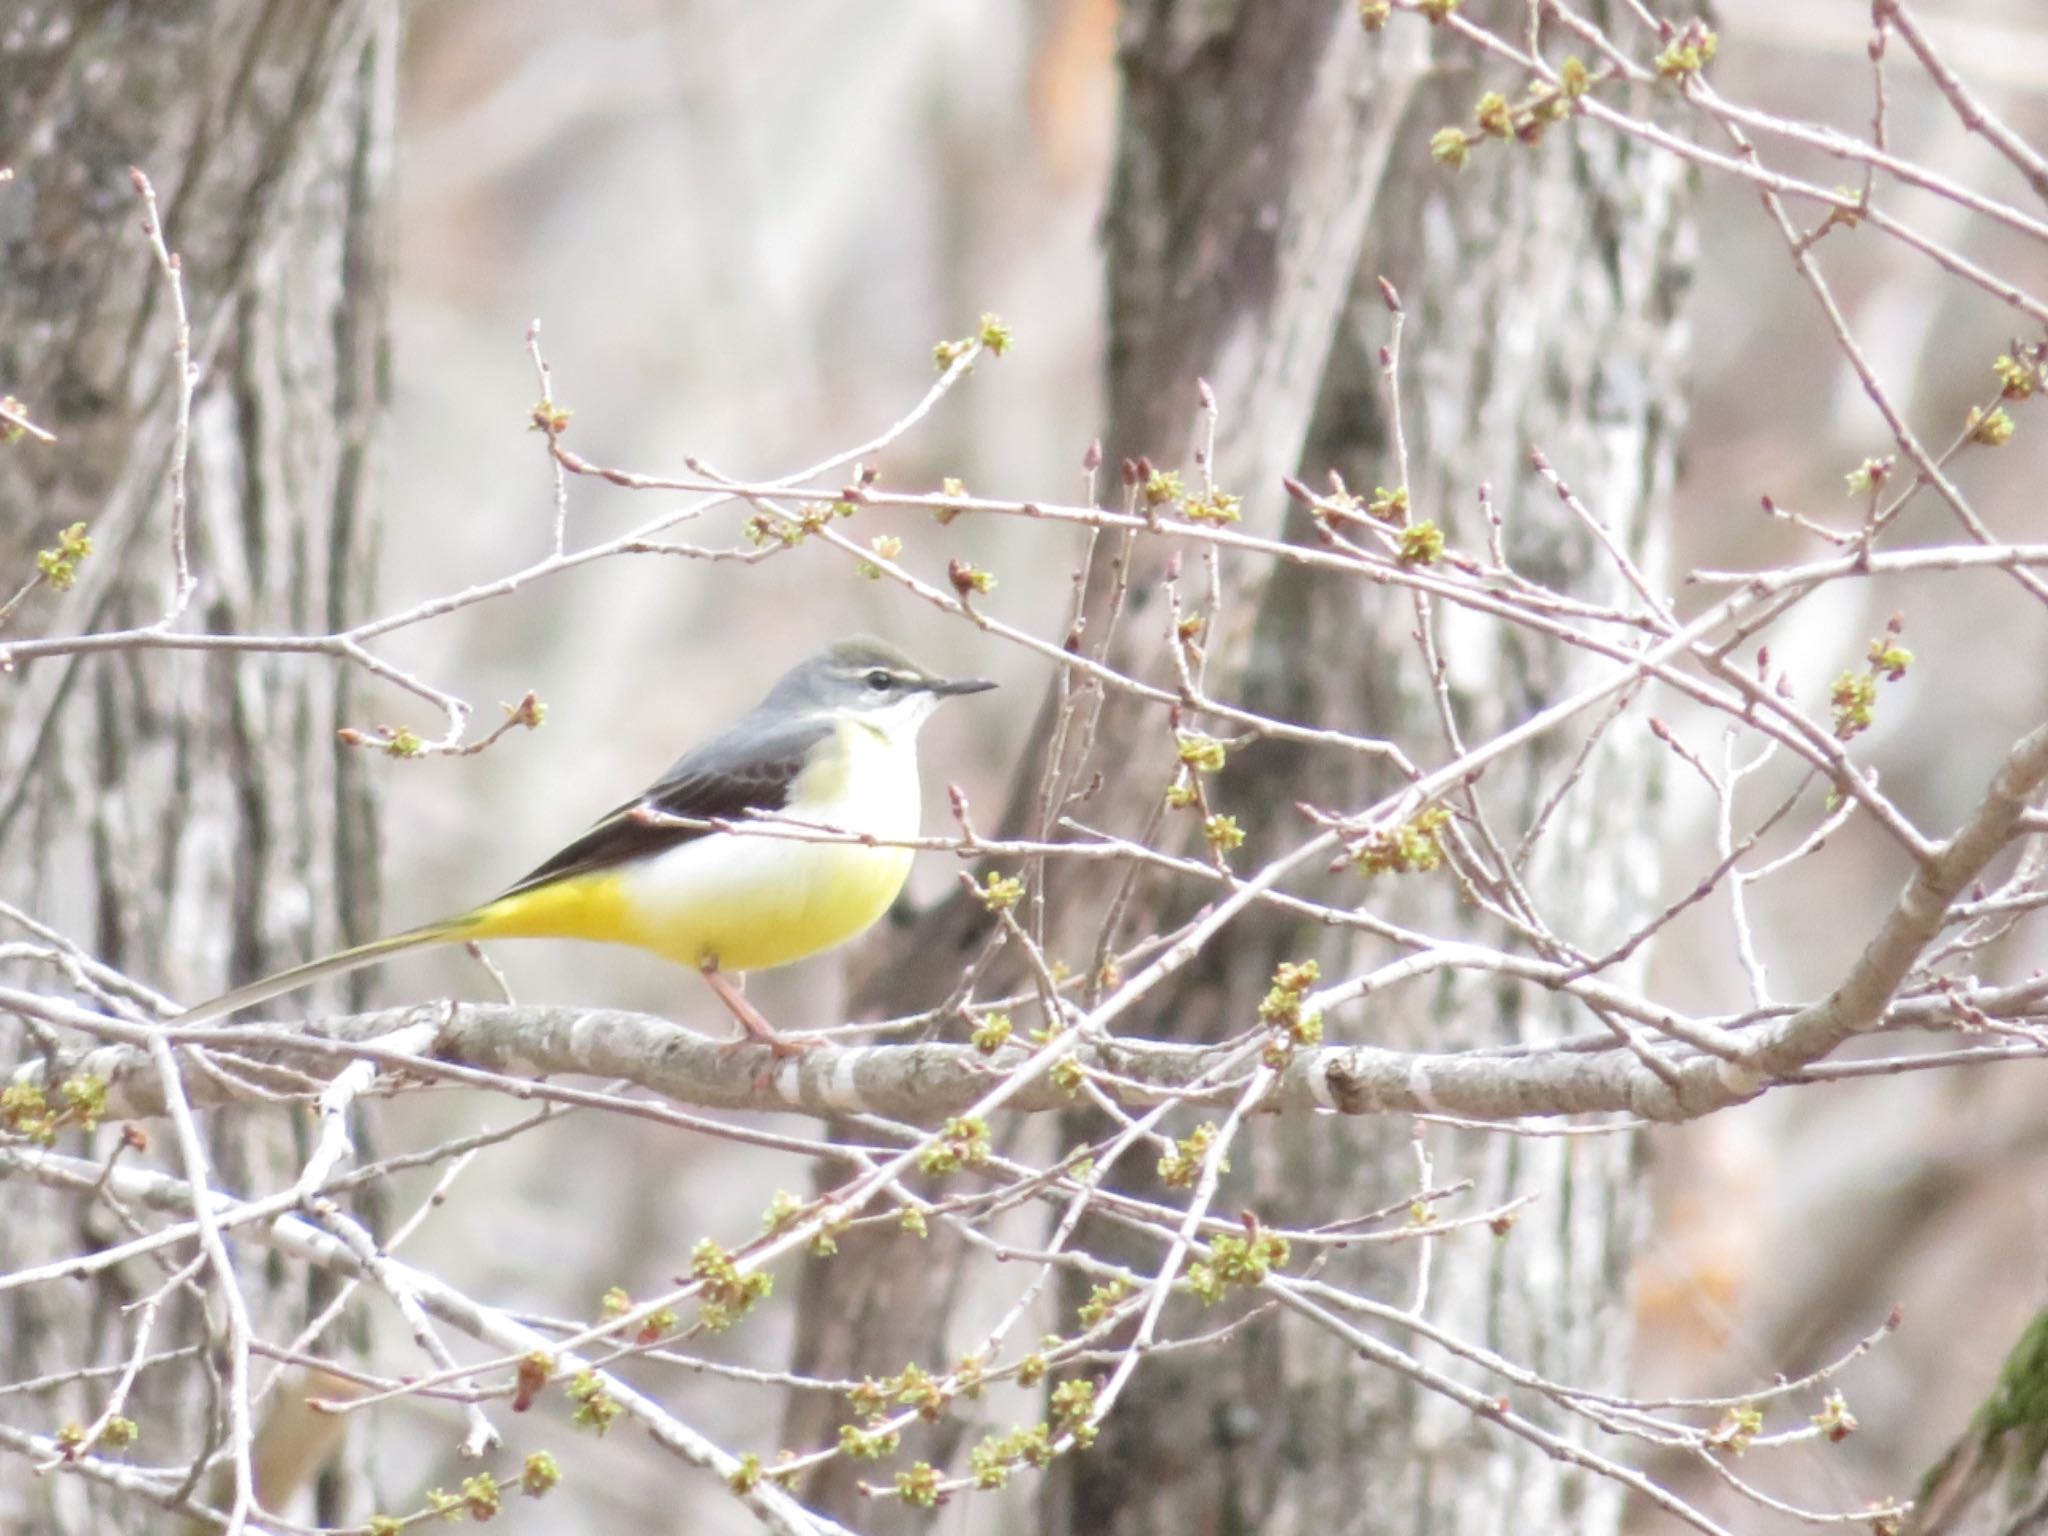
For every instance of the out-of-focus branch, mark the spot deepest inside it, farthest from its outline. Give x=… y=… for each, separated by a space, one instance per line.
x=302 y=1240
x=1919 y=914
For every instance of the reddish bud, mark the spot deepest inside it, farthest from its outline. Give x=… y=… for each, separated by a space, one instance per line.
x=533 y=1376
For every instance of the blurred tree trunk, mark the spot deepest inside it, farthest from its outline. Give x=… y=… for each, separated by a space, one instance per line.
x=188 y=818
x=1540 y=288
x=1231 y=233
x=1994 y=1480
x=1273 y=163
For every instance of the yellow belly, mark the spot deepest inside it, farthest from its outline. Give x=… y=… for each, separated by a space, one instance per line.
x=742 y=903
x=746 y=902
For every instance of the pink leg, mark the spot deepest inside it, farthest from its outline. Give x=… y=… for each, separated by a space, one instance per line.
x=750 y=1017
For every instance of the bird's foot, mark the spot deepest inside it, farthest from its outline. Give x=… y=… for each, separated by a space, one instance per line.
x=784 y=1046
x=758 y=1030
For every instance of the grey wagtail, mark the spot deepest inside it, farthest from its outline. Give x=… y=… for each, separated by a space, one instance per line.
x=833 y=746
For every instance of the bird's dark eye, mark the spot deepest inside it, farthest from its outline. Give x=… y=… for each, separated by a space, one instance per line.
x=881 y=681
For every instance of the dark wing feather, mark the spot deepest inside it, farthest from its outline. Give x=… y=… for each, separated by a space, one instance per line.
x=746 y=769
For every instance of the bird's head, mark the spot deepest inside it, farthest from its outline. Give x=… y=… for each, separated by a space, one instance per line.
x=871 y=681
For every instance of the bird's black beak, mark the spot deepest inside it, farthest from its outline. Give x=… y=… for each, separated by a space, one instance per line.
x=946 y=687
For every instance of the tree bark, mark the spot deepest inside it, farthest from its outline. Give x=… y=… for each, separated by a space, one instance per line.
x=1273 y=164
x=1232 y=230
x=190 y=819
x=1994 y=1480
x=1540 y=291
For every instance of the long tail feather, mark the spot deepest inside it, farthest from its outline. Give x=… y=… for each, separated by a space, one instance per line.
x=318 y=970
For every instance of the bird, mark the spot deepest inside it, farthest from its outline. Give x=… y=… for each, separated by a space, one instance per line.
x=831 y=753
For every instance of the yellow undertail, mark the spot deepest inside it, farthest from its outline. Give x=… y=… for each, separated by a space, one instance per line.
x=783 y=901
